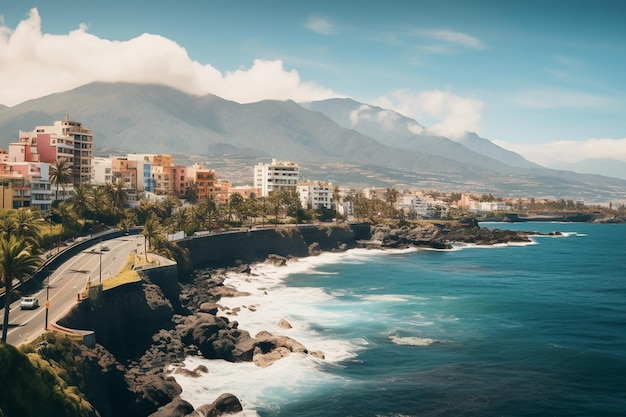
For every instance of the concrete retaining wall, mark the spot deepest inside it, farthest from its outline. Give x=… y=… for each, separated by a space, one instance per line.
x=254 y=245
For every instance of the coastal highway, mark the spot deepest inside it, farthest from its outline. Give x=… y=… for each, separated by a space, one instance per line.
x=66 y=282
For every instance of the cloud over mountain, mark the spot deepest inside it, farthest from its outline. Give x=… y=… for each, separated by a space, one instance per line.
x=29 y=59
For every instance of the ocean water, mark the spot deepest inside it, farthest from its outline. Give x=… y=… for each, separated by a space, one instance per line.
x=511 y=330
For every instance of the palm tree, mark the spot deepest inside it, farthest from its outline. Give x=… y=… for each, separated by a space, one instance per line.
x=275 y=202
x=361 y=206
x=118 y=194
x=252 y=206
x=150 y=232
x=191 y=193
x=391 y=197
x=8 y=225
x=68 y=218
x=129 y=219
x=168 y=204
x=180 y=219
x=100 y=202
x=195 y=217
x=29 y=225
x=211 y=210
x=336 y=197
x=60 y=174
x=82 y=201
x=16 y=261
x=235 y=203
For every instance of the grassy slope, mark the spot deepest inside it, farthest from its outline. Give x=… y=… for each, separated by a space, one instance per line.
x=32 y=386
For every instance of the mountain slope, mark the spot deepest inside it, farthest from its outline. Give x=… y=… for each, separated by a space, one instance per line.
x=398 y=131
x=394 y=129
x=486 y=147
x=138 y=117
x=380 y=147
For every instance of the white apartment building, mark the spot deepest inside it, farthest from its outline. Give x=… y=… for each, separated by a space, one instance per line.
x=489 y=206
x=468 y=201
x=277 y=176
x=413 y=205
x=316 y=194
x=374 y=193
x=102 y=171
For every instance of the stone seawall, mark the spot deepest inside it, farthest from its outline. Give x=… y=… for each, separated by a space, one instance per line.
x=125 y=317
x=229 y=249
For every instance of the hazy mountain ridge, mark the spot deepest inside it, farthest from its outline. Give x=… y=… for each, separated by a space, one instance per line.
x=396 y=130
x=391 y=150
x=604 y=166
x=486 y=147
x=130 y=116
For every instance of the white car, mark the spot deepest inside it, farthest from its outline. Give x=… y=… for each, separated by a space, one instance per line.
x=29 y=303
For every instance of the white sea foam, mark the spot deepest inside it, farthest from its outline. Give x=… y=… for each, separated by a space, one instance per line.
x=462 y=245
x=412 y=340
x=270 y=300
x=255 y=387
x=387 y=298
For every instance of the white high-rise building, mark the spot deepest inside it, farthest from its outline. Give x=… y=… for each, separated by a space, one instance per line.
x=277 y=176
x=316 y=194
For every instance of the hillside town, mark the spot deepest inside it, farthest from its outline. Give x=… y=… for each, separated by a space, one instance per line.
x=55 y=163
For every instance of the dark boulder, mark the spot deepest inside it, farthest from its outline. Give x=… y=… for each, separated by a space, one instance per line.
x=153 y=391
x=177 y=408
x=223 y=405
x=217 y=338
x=276 y=260
x=270 y=348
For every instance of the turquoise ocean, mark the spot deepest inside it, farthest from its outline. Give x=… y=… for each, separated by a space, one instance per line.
x=511 y=330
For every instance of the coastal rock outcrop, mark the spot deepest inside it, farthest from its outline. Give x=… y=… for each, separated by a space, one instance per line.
x=270 y=348
x=284 y=324
x=428 y=235
x=223 y=405
x=176 y=408
x=441 y=235
x=217 y=338
x=276 y=260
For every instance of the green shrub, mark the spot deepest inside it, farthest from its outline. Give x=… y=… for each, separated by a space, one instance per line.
x=32 y=388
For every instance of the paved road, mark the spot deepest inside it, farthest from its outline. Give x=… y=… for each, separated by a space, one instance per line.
x=66 y=282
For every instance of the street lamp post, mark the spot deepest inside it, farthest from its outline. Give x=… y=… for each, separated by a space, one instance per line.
x=47 y=300
x=100 y=262
x=4 y=184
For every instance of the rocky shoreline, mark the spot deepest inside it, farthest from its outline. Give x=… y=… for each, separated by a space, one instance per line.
x=187 y=324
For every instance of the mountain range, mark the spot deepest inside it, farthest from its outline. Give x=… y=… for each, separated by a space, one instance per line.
x=338 y=140
x=603 y=166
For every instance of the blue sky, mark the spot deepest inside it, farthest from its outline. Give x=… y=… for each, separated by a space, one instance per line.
x=544 y=78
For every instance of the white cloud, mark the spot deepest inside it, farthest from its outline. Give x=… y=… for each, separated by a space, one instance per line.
x=320 y=25
x=385 y=119
x=451 y=116
x=453 y=37
x=33 y=64
x=569 y=151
